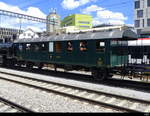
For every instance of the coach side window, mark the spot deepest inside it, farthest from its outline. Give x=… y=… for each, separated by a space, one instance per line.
x=58 y=47
x=83 y=46
x=28 y=46
x=51 y=47
x=43 y=47
x=100 y=46
x=20 y=47
x=36 y=47
x=69 y=46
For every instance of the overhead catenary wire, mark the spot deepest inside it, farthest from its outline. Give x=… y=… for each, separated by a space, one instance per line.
x=107 y=6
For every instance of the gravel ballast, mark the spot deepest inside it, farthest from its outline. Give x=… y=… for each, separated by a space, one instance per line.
x=45 y=102
x=98 y=87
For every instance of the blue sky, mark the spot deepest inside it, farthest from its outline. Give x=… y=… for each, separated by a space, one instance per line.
x=103 y=11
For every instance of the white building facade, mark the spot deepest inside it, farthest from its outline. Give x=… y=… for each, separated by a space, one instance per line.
x=29 y=33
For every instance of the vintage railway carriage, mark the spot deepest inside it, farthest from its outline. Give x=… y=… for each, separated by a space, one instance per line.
x=98 y=52
x=6 y=52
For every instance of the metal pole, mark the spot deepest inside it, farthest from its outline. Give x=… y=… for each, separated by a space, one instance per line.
x=20 y=27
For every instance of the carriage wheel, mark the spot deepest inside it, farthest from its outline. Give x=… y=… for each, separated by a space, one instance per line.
x=99 y=75
x=29 y=65
x=40 y=66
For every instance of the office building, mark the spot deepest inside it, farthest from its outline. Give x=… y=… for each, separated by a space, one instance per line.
x=142 y=15
x=9 y=34
x=80 y=21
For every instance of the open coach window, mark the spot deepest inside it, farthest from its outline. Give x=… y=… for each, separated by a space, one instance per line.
x=69 y=46
x=83 y=46
x=43 y=47
x=20 y=47
x=28 y=46
x=36 y=47
x=58 y=47
x=100 y=46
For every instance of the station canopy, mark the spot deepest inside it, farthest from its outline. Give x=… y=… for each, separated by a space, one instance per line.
x=127 y=34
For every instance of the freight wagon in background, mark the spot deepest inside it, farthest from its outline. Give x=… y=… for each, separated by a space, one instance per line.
x=139 y=57
x=139 y=50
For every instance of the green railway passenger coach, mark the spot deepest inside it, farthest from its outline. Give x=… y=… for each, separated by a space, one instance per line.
x=98 y=52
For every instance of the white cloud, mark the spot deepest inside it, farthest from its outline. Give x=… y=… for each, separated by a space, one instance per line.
x=92 y=8
x=14 y=22
x=72 y=4
x=116 y=22
x=35 y=12
x=36 y=29
x=32 y=11
x=104 y=16
x=97 y=21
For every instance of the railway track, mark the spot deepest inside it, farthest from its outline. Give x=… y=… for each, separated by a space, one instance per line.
x=114 y=82
x=9 y=106
x=117 y=102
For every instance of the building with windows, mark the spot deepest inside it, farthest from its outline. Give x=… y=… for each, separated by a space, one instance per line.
x=52 y=27
x=80 y=21
x=9 y=34
x=29 y=33
x=142 y=15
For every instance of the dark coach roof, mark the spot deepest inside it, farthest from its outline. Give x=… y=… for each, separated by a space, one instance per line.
x=114 y=34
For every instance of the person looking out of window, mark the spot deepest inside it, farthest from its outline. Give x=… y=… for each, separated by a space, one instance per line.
x=82 y=46
x=69 y=46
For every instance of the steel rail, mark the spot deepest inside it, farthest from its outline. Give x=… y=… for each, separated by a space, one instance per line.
x=16 y=106
x=78 y=97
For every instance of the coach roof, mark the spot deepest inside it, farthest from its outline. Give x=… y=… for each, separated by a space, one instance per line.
x=111 y=34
